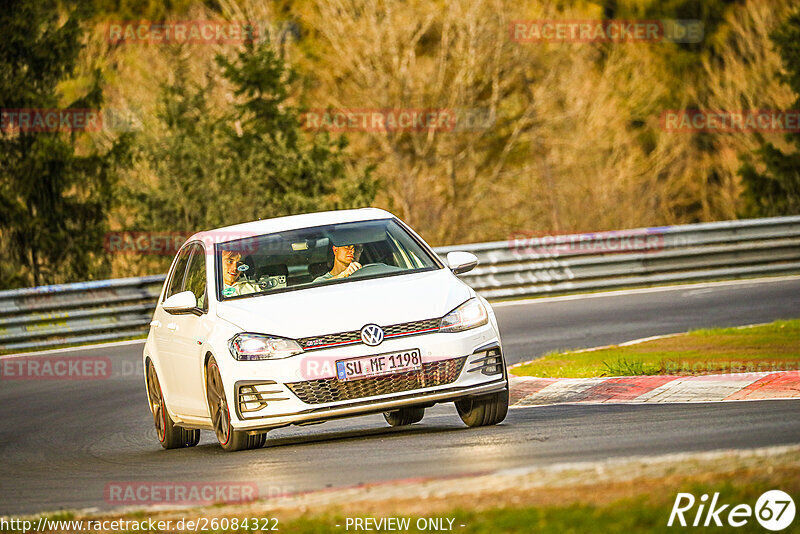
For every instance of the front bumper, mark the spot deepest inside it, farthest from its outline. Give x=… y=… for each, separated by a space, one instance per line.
x=367 y=406
x=463 y=364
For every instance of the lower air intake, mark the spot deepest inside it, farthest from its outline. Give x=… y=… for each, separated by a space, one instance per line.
x=332 y=390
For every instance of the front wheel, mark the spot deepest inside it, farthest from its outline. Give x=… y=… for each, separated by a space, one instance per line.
x=229 y=439
x=484 y=410
x=404 y=416
x=169 y=435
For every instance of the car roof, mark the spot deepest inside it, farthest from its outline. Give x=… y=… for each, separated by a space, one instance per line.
x=291 y=222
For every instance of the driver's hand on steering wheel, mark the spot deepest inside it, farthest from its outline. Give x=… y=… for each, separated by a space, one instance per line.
x=353 y=267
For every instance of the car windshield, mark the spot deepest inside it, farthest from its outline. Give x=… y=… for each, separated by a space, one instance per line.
x=320 y=255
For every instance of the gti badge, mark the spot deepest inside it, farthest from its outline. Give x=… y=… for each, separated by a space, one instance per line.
x=372 y=335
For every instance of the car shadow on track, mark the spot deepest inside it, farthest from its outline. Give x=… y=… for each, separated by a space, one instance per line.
x=343 y=436
x=306 y=438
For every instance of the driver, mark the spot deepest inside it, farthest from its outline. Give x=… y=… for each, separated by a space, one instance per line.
x=344 y=263
x=231 y=272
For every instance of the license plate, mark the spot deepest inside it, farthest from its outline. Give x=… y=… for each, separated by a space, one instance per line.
x=382 y=364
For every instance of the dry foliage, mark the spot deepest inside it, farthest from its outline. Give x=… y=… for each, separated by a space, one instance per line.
x=566 y=137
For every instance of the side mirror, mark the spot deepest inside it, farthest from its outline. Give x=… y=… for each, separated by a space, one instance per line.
x=461 y=262
x=182 y=302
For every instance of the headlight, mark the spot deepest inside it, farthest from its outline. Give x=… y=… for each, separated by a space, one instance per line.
x=260 y=347
x=471 y=314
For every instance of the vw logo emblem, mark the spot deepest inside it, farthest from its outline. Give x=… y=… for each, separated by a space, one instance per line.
x=372 y=335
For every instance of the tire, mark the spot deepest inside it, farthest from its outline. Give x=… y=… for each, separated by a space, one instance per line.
x=169 y=435
x=229 y=439
x=404 y=416
x=485 y=410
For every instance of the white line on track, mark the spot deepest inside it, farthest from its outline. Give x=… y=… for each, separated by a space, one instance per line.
x=75 y=349
x=624 y=292
x=642 y=403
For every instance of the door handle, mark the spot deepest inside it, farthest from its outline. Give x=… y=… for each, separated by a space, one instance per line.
x=172 y=327
x=155 y=323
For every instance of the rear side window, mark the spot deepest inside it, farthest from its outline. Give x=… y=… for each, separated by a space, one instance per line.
x=196 y=276
x=178 y=271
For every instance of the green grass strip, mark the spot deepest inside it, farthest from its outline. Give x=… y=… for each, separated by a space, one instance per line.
x=772 y=347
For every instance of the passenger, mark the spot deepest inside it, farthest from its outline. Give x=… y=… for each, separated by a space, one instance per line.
x=232 y=286
x=344 y=263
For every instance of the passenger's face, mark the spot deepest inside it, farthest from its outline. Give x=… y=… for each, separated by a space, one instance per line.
x=345 y=254
x=230 y=263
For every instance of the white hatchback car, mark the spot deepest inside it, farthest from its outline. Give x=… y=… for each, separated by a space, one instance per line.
x=272 y=323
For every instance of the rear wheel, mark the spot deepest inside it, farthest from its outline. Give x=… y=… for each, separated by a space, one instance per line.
x=229 y=439
x=404 y=416
x=484 y=410
x=169 y=435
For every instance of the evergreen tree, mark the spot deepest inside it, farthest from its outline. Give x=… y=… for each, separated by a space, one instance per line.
x=53 y=195
x=220 y=165
x=276 y=170
x=776 y=190
x=184 y=154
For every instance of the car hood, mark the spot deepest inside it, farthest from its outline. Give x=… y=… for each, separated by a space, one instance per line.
x=349 y=306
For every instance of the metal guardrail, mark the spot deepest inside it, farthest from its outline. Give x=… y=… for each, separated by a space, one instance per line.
x=58 y=315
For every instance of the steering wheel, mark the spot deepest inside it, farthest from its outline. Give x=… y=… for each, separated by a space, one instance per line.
x=374 y=268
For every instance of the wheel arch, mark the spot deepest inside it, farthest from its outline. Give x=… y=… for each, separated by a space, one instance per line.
x=148 y=361
x=206 y=358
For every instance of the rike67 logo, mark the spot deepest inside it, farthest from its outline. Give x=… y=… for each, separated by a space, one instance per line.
x=774 y=510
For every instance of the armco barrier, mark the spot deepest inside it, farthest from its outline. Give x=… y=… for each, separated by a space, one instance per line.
x=52 y=316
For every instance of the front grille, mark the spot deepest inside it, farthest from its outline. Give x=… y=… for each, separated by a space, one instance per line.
x=332 y=390
x=354 y=336
x=410 y=328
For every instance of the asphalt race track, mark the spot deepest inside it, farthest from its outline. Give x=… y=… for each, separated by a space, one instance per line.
x=530 y=330
x=63 y=442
